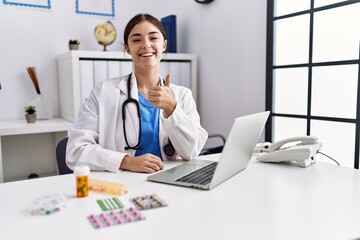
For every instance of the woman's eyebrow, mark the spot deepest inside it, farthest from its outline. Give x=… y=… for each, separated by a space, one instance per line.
x=139 y=35
x=135 y=35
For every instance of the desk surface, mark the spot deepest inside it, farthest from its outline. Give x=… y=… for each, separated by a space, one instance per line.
x=265 y=201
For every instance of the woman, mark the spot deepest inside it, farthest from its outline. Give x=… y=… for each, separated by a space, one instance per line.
x=169 y=126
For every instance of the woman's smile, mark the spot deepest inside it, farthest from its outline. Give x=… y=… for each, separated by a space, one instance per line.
x=147 y=54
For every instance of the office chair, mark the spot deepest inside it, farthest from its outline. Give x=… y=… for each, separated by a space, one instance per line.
x=212 y=150
x=61 y=157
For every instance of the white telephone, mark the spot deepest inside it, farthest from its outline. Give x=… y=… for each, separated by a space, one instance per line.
x=304 y=153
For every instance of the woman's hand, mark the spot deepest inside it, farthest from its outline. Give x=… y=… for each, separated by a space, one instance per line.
x=147 y=163
x=162 y=97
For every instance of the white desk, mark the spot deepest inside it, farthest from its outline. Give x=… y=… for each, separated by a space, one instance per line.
x=265 y=201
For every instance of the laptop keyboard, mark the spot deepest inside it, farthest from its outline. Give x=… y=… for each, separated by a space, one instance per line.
x=201 y=176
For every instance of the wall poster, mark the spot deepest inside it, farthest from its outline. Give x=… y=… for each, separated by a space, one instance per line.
x=29 y=3
x=96 y=7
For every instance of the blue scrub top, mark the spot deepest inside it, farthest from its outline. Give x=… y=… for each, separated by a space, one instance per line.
x=150 y=128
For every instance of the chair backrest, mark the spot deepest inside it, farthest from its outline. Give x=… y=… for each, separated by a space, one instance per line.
x=216 y=149
x=61 y=157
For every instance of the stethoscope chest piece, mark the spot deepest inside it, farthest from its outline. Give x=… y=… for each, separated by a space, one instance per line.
x=169 y=149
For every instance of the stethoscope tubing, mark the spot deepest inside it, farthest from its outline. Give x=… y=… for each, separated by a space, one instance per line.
x=168 y=148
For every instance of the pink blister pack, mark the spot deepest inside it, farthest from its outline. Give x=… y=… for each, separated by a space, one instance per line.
x=115 y=218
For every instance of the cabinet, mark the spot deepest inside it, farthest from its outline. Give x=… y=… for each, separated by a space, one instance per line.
x=80 y=70
x=30 y=147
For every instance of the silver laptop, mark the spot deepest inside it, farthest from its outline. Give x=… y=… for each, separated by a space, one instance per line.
x=237 y=152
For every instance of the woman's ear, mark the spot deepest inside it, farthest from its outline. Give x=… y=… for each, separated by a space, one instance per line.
x=165 y=46
x=126 y=47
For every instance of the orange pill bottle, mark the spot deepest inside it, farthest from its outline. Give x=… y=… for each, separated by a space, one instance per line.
x=82 y=173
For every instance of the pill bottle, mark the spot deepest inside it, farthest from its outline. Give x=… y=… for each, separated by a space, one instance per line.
x=82 y=180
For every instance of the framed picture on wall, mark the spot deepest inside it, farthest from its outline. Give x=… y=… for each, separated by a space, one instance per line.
x=96 y=7
x=29 y=3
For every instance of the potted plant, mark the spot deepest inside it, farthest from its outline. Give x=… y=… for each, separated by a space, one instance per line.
x=30 y=113
x=33 y=175
x=74 y=44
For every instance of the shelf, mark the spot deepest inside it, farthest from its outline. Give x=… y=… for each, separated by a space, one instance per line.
x=19 y=127
x=25 y=177
x=38 y=144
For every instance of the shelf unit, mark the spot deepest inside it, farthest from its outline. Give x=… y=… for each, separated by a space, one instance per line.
x=18 y=139
x=80 y=70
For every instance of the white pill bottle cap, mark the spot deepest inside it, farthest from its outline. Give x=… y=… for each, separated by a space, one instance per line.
x=82 y=170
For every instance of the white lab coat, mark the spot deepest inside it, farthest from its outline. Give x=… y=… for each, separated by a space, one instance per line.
x=97 y=138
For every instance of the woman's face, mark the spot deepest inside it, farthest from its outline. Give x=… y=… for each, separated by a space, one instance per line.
x=146 y=45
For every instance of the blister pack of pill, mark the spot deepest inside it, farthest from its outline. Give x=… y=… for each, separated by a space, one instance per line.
x=148 y=202
x=110 y=204
x=113 y=218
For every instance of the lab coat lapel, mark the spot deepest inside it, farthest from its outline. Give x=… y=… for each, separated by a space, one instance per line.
x=163 y=138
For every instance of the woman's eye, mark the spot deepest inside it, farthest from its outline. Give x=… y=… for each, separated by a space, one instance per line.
x=135 y=40
x=154 y=38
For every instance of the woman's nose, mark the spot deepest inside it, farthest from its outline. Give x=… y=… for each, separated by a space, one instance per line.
x=147 y=43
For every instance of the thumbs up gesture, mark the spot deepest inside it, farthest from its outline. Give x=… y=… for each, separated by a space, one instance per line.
x=162 y=97
x=167 y=80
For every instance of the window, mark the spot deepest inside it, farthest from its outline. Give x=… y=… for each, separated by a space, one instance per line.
x=313 y=65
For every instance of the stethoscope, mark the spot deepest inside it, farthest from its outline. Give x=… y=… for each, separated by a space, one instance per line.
x=168 y=148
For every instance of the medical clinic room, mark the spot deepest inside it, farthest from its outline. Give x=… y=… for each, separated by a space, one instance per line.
x=169 y=119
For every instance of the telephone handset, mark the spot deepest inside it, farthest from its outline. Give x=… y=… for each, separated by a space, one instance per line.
x=303 y=152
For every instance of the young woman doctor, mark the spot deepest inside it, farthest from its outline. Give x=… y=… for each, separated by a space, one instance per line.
x=109 y=134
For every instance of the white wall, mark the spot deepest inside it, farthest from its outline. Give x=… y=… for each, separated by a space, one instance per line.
x=228 y=36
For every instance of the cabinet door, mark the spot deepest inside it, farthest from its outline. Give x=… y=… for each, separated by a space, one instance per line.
x=94 y=71
x=80 y=71
x=100 y=71
x=86 y=78
x=180 y=72
x=118 y=68
x=126 y=67
x=114 y=69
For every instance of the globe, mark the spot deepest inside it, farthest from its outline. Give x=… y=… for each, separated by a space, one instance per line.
x=105 y=33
